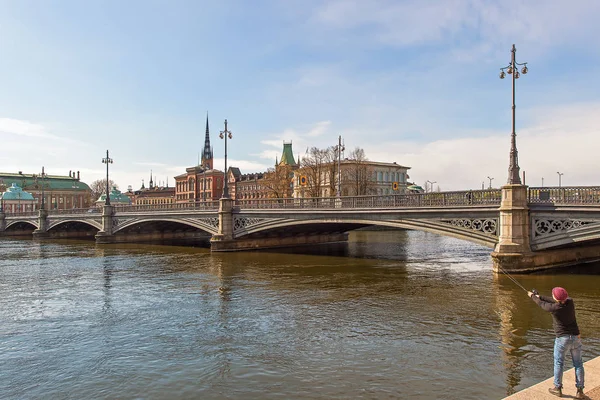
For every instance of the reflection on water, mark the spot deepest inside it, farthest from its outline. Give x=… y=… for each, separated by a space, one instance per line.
x=391 y=314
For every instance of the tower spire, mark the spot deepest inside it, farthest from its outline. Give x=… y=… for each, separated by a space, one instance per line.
x=207 y=154
x=150 y=183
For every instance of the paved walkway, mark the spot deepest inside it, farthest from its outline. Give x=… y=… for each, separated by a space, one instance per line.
x=540 y=391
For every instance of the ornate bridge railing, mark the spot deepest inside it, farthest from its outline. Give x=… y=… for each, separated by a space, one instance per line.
x=438 y=199
x=571 y=195
x=199 y=205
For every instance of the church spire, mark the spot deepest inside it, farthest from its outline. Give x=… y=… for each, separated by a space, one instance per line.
x=150 y=180
x=207 y=154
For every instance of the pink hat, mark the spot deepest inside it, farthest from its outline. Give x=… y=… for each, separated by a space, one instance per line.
x=560 y=294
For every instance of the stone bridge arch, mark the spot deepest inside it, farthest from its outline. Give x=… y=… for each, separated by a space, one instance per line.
x=92 y=223
x=34 y=223
x=206 y=224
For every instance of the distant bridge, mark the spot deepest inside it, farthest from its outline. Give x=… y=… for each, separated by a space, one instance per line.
x=555 y=218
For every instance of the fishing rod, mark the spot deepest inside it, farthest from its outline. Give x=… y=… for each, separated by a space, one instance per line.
x=515 y=281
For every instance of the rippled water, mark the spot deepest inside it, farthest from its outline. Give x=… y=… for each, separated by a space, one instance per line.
x=392 y=314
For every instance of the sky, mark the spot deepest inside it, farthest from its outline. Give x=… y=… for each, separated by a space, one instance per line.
x=412 y=82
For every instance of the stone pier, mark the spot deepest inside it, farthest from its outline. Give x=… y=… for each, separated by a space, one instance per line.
x=513 y=252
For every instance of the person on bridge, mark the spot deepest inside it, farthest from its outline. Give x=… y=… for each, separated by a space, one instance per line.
x=562 y=308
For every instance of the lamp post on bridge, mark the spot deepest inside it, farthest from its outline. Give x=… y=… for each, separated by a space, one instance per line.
x=512 y=69
x=491 y=179
x=339 y=149
x=560 y=174
x=224 y=135
x=41 y=176
x=430 y=185
x=107 y=161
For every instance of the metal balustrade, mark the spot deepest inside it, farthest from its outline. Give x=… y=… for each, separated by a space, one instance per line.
x=571 y=195
x=437 y=199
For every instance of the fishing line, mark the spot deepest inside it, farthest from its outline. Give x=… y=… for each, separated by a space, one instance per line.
x=513 y=279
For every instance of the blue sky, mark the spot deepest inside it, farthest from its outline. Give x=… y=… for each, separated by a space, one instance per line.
x=414 y=82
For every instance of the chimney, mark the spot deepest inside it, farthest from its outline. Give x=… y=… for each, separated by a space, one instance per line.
x=77 y=175
x=70 y=175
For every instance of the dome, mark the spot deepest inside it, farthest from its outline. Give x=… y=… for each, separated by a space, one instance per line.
x=16 y=193
x=116 y=197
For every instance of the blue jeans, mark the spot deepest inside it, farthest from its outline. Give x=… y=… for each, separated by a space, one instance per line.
x=561 y=345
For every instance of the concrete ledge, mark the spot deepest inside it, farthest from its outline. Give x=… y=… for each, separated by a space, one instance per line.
x=540 y=391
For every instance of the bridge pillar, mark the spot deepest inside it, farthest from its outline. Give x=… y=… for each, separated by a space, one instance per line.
x=106 y=234
x=513 y=251
x=2 y=221
x=225 y=224
x=42 y=231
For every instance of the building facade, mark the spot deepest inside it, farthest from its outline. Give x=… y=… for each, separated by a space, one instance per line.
x=60 y=192
x=354 y=178
x=15 y=200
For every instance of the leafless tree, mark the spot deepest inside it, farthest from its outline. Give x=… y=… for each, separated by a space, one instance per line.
x=357 y=176
x=98 y=187
x=313 y=167
x=277 y=181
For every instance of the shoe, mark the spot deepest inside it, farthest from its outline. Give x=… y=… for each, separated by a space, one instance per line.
x=556 y=391
x=580 y=394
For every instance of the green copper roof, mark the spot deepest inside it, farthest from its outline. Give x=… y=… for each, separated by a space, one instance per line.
x=14 y=192
x=287 y=158
x=51 y=182
x=116 y=197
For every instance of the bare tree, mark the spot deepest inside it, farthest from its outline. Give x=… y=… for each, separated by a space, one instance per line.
x=98 y=187
x=330 y=155
x=313 y=167
x=277 y=181
x=358 y=178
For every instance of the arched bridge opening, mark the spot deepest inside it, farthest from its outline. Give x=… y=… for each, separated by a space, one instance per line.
x=21 y=228
x=478 y=232
x=162 y=231
x=72 y=230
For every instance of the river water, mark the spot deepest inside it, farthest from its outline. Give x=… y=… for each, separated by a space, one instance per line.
x=390 y=315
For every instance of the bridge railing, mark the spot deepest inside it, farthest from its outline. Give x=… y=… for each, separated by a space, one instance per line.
x=199 y=205
x=21 y=214
x=435 y=199
x=72 y=211
x=572 y=195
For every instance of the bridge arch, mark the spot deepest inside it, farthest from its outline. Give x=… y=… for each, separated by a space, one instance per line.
x=208 y=225
x=440 y=227
x=15 y=224
x=91 y=223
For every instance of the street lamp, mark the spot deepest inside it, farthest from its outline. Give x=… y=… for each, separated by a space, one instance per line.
x=224 y=135
x=491 y=179
x=107 y=161
x=339 y=148
x=560 y=174
x=512 y=69
x=430 y=184
x=42 y=176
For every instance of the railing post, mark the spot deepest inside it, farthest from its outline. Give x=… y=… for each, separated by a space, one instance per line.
x=42 y=230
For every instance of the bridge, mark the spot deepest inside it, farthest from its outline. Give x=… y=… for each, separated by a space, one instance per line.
x=528 y=228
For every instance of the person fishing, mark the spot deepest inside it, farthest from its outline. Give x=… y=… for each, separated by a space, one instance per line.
x=562 y=308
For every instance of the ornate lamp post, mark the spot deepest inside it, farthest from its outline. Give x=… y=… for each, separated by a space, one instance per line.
x=513 y=69
x=560 y=174
x=41 y=176
x=107 y=161
x=339 y=149
x=224 y=135
x=490 y=179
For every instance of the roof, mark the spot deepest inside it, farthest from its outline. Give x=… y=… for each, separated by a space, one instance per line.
x=287 y=157
x=14 y=192
x=115 y=197
x=51 y=182
x=235 y=171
